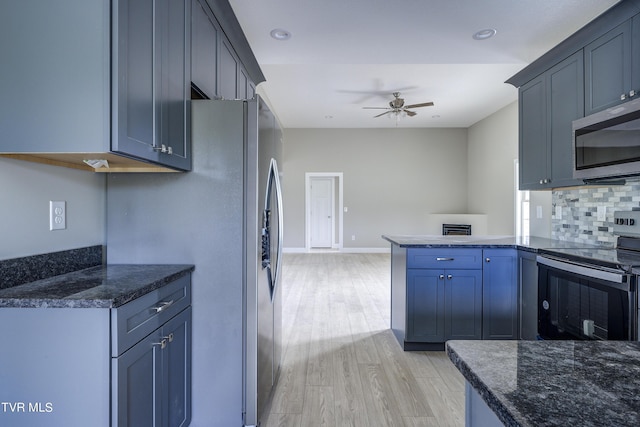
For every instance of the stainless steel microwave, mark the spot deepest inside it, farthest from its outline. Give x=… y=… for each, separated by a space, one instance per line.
x=607 y=144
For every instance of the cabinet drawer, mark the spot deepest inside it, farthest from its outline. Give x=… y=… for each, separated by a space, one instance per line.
x=137 y=319
x=444 y=258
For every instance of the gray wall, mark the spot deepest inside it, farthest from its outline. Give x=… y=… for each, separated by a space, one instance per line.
x=492 y=150
x=392 y=179
x=25 y=191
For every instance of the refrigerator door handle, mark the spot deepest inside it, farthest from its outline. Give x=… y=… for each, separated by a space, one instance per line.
x=273 y=184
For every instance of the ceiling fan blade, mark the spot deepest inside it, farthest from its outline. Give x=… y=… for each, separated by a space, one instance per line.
x=410 y=113
x=424 y=104
x=375 y=108
x=382 y=114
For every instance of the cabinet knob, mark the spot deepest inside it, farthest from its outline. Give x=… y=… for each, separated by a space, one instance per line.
x=442 y=277
x=632 y=93
x=169 y=337
x=487 y=259
x=449 y=276
x=623 y=97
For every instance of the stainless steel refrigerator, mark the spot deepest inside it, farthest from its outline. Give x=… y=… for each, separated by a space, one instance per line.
x=225 y=216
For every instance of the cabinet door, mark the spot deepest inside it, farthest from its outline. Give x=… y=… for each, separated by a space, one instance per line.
x=425 y=305
x=151 y=114
x=565 y=85
x=463 y=308
x=136 y=400
x=533 y=145
x=499 y=294
x=528 y=283
x=204 y=50
x=608 y=69
x=228 y=71
x=176 y=371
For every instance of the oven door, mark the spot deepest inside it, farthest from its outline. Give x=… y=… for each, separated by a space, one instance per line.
x=581 y=302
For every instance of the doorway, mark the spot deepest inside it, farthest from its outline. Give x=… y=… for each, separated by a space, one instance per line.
x=323 y=210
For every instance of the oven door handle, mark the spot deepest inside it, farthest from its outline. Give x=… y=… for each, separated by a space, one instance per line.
x=610 y=276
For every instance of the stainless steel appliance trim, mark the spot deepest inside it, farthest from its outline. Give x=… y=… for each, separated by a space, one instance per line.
x=625 y=169
x=616 y=279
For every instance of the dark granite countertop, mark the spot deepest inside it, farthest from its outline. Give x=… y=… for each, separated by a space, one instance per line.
x=102 y=286
x=532 y=244
x=554 y=383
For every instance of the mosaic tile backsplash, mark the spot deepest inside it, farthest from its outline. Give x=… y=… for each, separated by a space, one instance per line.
x=577 y=212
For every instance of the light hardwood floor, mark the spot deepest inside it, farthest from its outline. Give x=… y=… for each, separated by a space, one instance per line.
x=341 y=364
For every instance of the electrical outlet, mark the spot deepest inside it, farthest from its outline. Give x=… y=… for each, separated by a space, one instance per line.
x=353 y=237
x=602 y=213
x=57 y=215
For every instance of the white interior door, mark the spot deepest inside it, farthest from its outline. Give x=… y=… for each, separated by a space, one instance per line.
x=322 y=212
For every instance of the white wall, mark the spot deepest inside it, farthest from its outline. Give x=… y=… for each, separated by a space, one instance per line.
x=25 y=191
x=493 y=147
x=392 y=179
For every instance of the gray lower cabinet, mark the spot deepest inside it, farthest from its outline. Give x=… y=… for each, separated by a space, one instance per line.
x=443 y=303
x=440 y=294
x=547 y=106
x=125 y=366
x=152 y=379
x=528 y=282
x=499 y=294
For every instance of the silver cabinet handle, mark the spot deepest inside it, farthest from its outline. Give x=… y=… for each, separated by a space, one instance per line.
x=449 y=276
x=442 y=277
x=632 y=93
x=162 y=343
x=444 y=259
x=487 y=259
x=170 y=337
x=163 y=306
x=623 y=97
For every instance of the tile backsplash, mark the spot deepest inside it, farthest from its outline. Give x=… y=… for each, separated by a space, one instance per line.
x=585 y=214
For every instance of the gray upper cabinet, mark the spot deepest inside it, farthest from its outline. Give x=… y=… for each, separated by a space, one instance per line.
x=548 y=104
x=102 y=80
x=228 y=69
x=595 y=68
x=533 y=146
x=205 y=37
x=612 y=67
x=608 y=69
x=151 y=115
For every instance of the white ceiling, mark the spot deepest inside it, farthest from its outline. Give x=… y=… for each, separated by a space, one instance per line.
x=347 y=54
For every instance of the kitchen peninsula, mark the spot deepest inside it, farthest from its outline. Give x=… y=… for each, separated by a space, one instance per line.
x=549 y=383
x=463 y=287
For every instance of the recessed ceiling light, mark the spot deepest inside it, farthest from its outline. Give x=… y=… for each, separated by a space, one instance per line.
x=485 y=34
x=328 y=117
x=280 y=34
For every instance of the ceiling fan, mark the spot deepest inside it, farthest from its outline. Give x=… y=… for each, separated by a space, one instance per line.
x=397 y=107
